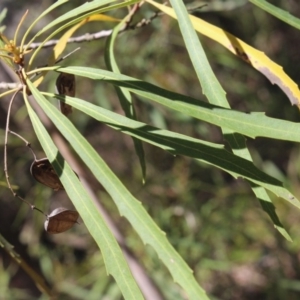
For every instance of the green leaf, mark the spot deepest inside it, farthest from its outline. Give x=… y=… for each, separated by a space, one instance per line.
x=48 y=10
x=86 y=10
x=254 y=57
x=126 y=203
x=74 y=13
x=2 y=17
x=179 y=144
x=240 y=122
x=115 y=262
x=278 y=12
x=5 y=59
x=252 y=125
x=209 y=83
x=83 y=11
x=123 y=94
x=217 y=96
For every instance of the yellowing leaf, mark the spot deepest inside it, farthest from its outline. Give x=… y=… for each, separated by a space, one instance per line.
x=61 y=45
x=252 y=56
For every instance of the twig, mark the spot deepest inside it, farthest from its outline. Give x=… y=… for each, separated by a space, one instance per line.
x=37 y=278
x=132 y=12
x=67 y=55
x=7 y=130
x=9 y=85
x=25 y=141
x=59 y=60
x=87 y=37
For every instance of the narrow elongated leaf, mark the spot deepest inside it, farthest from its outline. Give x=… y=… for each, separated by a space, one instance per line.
x=252 y=56
x=236 y=121
x=63 y=41
x=112 y=254
x=123 y=94
x=277 y=12
x=179 y=144
x=85 y=10
x=237 y=143
x=216 y=96
x=3 y=54
x=76 y=20
x=126 y=203
x=209 y=83
x=74 y=13
x=252 y=125
x=2 y=17
x=44 y=13
x=61 y=45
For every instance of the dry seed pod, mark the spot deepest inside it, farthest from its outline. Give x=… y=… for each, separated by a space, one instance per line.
x=43 y=172
x=60 y=220
x=65 y=84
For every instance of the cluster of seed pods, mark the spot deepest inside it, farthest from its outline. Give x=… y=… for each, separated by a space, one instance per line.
x=60 y=219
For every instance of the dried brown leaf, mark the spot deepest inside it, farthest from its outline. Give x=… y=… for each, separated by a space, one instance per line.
x=66 y=85
x=43 y=172
x=60 y=220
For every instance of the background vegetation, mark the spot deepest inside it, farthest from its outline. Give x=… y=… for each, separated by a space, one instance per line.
x=212 y=220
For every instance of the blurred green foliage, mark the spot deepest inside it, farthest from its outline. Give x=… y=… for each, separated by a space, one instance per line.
x=213 y=221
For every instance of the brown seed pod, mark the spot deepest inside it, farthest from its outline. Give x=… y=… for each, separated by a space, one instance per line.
x=65 y=84
x=43 y=172
x=60 y=220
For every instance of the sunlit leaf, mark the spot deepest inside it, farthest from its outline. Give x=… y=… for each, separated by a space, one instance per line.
x=252 y=56
x=127 y=204
x=114 y=260
x=279 y=13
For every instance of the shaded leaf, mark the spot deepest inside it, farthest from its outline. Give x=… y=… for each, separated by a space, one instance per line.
x=123 y=94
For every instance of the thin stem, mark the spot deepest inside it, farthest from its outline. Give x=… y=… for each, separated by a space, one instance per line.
x=10 y=86
x=67 y=55
x=7 y=130
x=25 y=141
x=87 y=37
x=19 y=25
x=39 y=70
